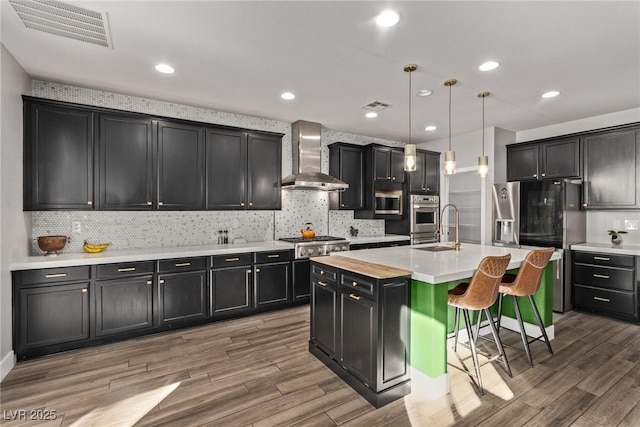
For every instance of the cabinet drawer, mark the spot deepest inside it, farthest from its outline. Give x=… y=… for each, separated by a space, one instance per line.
x=231 y=260
x=604 y=259
x=182 y=264
x=605 y=277
x=106 y=271
x=324 y=272
x=613 y=301
x=52 y=275
x=272 y=256
x=359 y=283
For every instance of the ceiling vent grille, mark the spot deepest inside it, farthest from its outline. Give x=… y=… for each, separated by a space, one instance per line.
x=64 y=20
x=375 y=106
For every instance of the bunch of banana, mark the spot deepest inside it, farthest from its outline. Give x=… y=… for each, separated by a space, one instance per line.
x=92 y=249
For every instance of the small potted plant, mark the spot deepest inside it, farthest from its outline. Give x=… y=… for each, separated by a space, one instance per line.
x=616 y=237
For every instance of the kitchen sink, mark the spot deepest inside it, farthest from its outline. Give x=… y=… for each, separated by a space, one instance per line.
x=436 y=248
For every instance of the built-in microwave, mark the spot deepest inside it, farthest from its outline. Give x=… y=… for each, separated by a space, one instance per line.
x=388 y=202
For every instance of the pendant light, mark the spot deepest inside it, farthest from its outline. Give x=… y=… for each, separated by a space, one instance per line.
x=410 y=149
x=450 y=156
x=483 y=161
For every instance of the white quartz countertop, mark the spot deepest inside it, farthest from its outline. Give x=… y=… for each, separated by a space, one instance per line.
x=437 y=267
x=110 y=257
x=376 y=239
x=608 y=248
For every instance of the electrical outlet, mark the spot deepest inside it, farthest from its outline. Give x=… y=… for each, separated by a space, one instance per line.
x=76 y=227
x=616 y=224
x=630 y=224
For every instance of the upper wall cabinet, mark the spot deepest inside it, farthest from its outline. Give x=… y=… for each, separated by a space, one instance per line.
x=346 y=162
x=611 y=178
x=388 y=164
x=58 y=157
x=426 y=178
x=264 y=171
x=558 y=158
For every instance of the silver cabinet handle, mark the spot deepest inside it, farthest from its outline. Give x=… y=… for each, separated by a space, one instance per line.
x=160 y=203
x=600 y=276
x=602 y=299
x=122 y=270
x=84 y=290
x=355 y=297
x=273 y=256
x=601 y=258
x=232 y=259
x=149 y=203
x=51 y=276
x=183 y=264
x=323 y=284
x=89 y=202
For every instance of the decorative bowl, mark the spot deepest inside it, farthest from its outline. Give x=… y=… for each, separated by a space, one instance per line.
x=52 y=245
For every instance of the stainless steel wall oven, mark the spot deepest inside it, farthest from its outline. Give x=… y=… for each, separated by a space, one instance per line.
x=424 y=218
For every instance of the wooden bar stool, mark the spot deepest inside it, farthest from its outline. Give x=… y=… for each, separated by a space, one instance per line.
x=525 y=284
x=479 y=294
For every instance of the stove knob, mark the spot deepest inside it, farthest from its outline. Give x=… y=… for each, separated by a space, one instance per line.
x=302 y=252
x=344 y=248
x=321 y=251
x=335 y=249
x=310 y=251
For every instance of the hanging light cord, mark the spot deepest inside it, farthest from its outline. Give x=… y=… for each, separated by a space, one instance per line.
x=483 y=126
x=449 y=117
x=410 y=107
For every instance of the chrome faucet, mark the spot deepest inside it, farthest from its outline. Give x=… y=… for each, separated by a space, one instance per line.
x=456 y=245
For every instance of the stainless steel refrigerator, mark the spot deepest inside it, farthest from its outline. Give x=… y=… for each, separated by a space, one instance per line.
x=545 y=213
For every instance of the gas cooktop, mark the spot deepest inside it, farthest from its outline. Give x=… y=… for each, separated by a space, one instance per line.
x=315 y=239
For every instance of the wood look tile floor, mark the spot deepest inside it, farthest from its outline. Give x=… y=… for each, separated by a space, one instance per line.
x=257 y=371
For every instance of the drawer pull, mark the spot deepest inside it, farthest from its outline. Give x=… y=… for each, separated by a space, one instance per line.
x=232 y=259
x=123 y=270
x=273 y=256
x=601 y=258
x=602 y=299
x=84 y=290
x=355 y=297
x=354 y=283
x=51 y=276
x=323 y=284
x=161 y=281
x=600 y=276
x=183 y=264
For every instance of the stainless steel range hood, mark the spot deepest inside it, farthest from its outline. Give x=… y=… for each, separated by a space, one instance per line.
x=305 y=142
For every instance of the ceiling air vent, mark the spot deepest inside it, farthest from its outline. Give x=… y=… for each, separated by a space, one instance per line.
x=64 y=20
x=375 y=106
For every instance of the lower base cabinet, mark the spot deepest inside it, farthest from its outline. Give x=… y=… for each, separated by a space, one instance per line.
x=231 y=290
x=300 y=280
x=124 y=305
x=272 y=279
x=182 y=297
x=360 y=329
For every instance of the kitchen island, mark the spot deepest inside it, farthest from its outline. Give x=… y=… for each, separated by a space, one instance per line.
x=433 y=273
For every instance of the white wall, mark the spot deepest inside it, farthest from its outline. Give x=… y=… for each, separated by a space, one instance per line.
x=14 y=224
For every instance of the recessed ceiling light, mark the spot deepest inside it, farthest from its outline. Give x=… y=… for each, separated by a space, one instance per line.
x=388 y=18
x=371 y=115
x=287 y=95
x=430 y=128
x=425 y=92
x=165 y=68
x=551 y=94
x=489 y=65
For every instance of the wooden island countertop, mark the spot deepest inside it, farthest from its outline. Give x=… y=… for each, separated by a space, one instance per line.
x=366 y=268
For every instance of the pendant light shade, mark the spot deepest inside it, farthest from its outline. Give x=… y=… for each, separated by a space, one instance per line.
x=450 y=156
x=483 y=161
x=410 y=149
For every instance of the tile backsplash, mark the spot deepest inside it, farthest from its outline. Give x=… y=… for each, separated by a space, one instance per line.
x=138 y=230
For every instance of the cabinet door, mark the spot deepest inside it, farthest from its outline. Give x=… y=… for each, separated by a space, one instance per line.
x=53 y=314
x=271 y=284
x=324 y=310
x=124 y=305
x=417 y=178
x=230 y=290
x=265 y=172
x=357 y=336
x=394 y=334
x=182 y=296
x=180 y=166
x=522 y=162
x=560 y=159
x=381 y=165
x=226 y=169
x=58 y=158
x=352 y=172
x=610 y=170
x=397 y=166
x=125 y=162
x=301 y=279
x=432 y=174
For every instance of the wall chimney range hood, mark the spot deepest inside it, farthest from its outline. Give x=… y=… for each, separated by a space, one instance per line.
x=305 y=144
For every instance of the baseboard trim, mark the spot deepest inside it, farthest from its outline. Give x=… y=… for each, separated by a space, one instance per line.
x=7 y=364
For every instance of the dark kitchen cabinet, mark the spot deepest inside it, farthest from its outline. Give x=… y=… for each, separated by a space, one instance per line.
x=426 y=178
x=324 y=309
x=58 y=157
x=301 y=279
x=611 y=177
x=180 y=183
x=182 y=290
x=231 y=286
x=125 y=171
x=124 y=305
x=346 y=162
x=556 y=158
x=357 y=335
x=388 y=164
x=272 y=284
x=606 y=284
x=243 y=170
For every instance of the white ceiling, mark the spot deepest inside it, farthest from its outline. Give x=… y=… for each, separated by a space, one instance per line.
x=238 y=56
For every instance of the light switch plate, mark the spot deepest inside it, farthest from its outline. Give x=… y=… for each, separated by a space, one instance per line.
x=76 y=227
x=630 y=224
